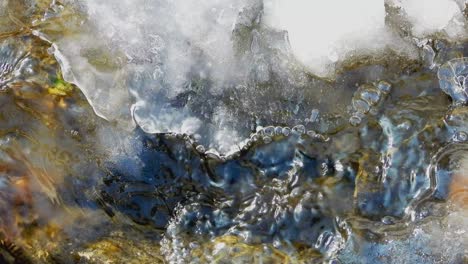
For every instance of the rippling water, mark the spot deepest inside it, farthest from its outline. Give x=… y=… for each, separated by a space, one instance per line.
x=108 y=156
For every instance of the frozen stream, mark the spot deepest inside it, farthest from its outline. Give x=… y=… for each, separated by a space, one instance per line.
x=233 y=131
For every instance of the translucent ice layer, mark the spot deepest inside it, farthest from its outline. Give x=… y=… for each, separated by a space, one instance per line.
x=322 y=33
x=219 y=70
x=142 y=56
x=428 y=17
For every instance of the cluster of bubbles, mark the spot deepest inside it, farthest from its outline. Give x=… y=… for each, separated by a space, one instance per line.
x=263 y=136
x=367 y=99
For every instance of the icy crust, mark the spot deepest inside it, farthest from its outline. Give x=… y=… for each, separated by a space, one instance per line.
x=434 y=16
x=323 y=33
x=218 y=70
x=141 y=56
x=184 y=72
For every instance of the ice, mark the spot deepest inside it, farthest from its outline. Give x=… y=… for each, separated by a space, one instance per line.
x=146 y=56
x=216 y=69
x=431 y=16
x=195 y=69
x=322 y=32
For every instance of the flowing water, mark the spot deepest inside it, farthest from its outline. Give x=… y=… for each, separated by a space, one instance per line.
x=124 y=140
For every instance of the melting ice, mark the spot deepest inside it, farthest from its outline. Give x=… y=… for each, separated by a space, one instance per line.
x=273 y=84
x=162 y=61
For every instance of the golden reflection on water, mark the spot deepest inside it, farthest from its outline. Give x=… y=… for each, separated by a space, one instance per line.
x=34 y=160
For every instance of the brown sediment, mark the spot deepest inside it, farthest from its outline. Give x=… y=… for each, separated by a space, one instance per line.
x=234 y=248
x=458 y=194
x=231 y=248
x=14 y=200
x=10 y=253
x=45 y=178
